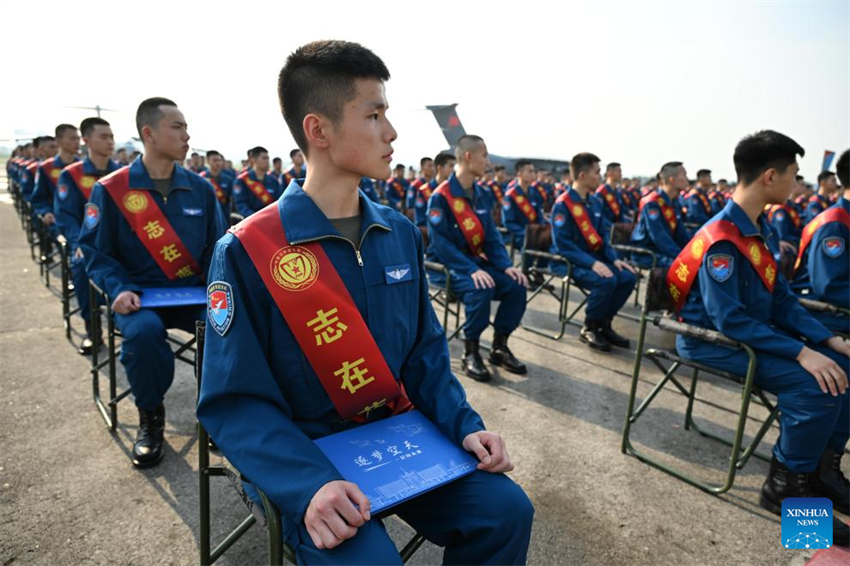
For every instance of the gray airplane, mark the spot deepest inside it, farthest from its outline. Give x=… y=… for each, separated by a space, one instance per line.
x=449 y=122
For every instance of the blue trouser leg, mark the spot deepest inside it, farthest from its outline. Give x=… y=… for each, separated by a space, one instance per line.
x=607 y=294
x=511 y=296
x=145 y=352
x=809 y=420
x=477 y=303
x=81 y=287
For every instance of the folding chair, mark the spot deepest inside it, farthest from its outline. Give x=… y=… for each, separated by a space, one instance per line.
x=68 y=291
x=269 y=514
x=507 y=236
x=442 y=294
x=49 y=256
x=620 y=238
x=827 y=308
x=101 y=305
x=657 y=300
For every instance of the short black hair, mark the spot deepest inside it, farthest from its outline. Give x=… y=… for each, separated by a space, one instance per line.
x=277 y=160
x=213 y=153
x=498 y=168
x=255 y=152
x=764 y=150
x=120 y=149
x=798 y=178
x=195 y=154
x=842 y=169
x=520 y=164
x=423 y=161
x=703 y=172
x=443 y=158
x=62 y=128
x=611 y=166
x=293 y=152
x=148 y=113
x=319 y=77
x=667 y=170
x=824 y=175
x=582 y=162
x=88 y=125
x=397 y=167
x=724 y=181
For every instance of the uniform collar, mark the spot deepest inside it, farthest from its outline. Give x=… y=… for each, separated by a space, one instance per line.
x=303 y=221
x=843 y=203
x=738 y=217
x=457 y=189
x=90 y=169
x=576 y=197
x=57 y=161
x=665 y=197
x=141 y=179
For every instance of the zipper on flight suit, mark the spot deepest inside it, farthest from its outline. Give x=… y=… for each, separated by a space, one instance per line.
x=333 y=237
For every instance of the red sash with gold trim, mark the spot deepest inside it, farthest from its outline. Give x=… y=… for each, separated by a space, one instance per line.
x=579 y=214
x=396 y=186
x=497 y=191
x=84 y=182
x=256 y=187
x=322 y=316
x=702 y=198
x=52 y=171
x=832 y=214
x=683 y=270
x=524 y=205
x=426 y=190
x=470 y=224
x=148 y=222
x=610 y=199
x=666 y=210
x=219 y=192
x=772 y=209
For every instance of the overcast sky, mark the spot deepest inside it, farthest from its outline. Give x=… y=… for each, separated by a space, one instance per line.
x=640 y=83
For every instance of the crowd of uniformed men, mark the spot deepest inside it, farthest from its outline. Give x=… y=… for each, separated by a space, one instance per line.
x=739 y=254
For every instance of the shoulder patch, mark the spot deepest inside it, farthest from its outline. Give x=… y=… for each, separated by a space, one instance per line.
x=92 y=215
x=559 y=220
x=435 y=216
x=720 y=266
x=779 y=215
x=220 y=306
x=237 y=187
x=653 y=212
x=62 y=191
x=506 y=205
x=833 y=247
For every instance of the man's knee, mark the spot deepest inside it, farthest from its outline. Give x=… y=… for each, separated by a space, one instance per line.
x=477 y=297
x=143 y=326
x=627 y=279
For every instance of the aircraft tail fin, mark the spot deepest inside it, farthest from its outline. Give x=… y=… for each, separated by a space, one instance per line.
x=447 y=118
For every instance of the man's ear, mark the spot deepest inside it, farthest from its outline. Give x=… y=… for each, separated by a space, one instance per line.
x=316 y=130
x=768 y=177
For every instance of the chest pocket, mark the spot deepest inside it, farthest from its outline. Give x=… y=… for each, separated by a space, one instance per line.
x=392 y=290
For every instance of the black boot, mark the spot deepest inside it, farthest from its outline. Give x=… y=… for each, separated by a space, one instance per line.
x=611 y=335
x=147 y=451
x=501 y=355
x=88 y=345
x=591 y=334
x=472 y=363
x=829 y=481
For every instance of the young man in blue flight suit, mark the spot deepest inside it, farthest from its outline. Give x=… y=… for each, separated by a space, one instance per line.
x=44 y=148
x=367 y=185
x=444 y=165
x=726 y=279
x=514 y=218
x=819 y=201
x=255 y=188
x=261 y=399
x=72 y=193
x=660 y=226
x=222 y=183
x=823 y=266
x=473 y=251
x=697 y=202
x=578 y=233
x=614 y=209
x=176 y=221
x=298 y=169
x=397 y=188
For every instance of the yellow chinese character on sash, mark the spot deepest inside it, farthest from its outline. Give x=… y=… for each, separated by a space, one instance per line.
x=468 y=224
x=674 y=292
x=770 y=274
x=682 y=272
x=593 y=239
x=328 y=328
x=585 y=226
x=352 y=376
x=476 y=239
x=154 y=230
x=185 y=271
x=369 y=408
x=668 y=212
x=170 y=253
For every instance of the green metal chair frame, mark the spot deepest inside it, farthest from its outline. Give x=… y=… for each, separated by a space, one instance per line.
x=658 y=299
x=442 y=294
x=620 y=238
x=74 y=336
x=828 y=308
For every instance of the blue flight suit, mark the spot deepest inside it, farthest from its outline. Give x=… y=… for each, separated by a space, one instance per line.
x=244 y=199
x=653 y=233
x=607 y=294
x=784 y=225
x=396 y=191
x=226 y=183
x=734 y=301
x=817 y=203
x=513 y=218
x=606 y=209
x=291 y=174
x=27 y=179
x=420 y=205
x=825 y=270
x=449 y=247
x=45 y=186
x=117 y=261
x=69 y=208
x=263 y=404
x=696 y=213
x=367 y=185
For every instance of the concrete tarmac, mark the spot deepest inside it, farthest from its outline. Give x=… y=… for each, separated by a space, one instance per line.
x=70 y=495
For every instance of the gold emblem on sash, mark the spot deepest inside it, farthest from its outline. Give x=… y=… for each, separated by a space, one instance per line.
x=698 y=248
x=294 y=268
x=577 y=210
x=755 y=253
x=459 y=206
x=135 y=201
x=87 y=181
x=55 y=173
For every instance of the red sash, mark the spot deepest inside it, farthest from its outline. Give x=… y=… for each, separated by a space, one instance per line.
x=541 y=190
x=523 y=204
x=84 y=182
x=610 y=199
x=51 y=170
x=579 y=213
x=426 y=190
x=467 y=220
x=150 y=225
x=396 y=186
x=683 y=270
x=772 y=209
x=256 y=187
x=322 y=316
x=627 y=197
x=832 y=214
x=219 y=192
x=497 y=191
x=666 y=210
x=703 y=199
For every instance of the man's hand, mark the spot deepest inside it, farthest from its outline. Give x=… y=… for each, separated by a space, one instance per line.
x=517 y=275
x=48 y=219
x=601 y=269
x=332 y=517
x=126 y=302
x=482 y=280
x=621 y=265
x=490 y=449
x=828 y=374
x=787 y=247
x=840 y=345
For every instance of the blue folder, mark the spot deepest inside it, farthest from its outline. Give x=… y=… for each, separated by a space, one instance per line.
x=160 y=297
x=396 y=459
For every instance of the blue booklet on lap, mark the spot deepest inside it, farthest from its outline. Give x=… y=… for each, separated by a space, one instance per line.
x=159 y=297
x=396 y=459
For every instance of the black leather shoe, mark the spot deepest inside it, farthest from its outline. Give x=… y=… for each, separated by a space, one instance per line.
x=472 y=363
x=501 y=355
x=829 y=481
x=147 y=451
x=87 y=346
x=591 y=334
x=781 y=483
x=612 y=337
